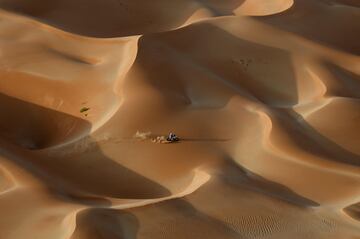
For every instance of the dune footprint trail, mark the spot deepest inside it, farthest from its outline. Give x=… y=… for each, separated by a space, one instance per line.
x=264 y=96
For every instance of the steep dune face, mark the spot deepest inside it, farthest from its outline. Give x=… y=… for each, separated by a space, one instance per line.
x=354 y=211
x=264 y=96
x=34 y=127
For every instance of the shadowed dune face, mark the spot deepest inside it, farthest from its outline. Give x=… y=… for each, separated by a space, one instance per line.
x=85 y=171
x=105 y=223
x=114 y=18
x=241 y=177
x=35 y=127
x=338 y=16
x=353 y=211
x=264 y=96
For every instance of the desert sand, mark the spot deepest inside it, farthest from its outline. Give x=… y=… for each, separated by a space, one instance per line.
x=263 y=94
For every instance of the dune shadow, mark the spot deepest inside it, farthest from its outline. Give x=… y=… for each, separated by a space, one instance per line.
x=303 y=19
x=311 y=140
x=101 y=223
x=353 y=211
x=349 y=82
x=115 y=18
x=84 y=176
x=238 y=176
x=34 y=127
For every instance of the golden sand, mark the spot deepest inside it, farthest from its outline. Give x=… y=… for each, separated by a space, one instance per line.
x=263 y=94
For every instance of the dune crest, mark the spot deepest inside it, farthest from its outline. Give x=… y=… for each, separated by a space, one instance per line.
x=263 y=7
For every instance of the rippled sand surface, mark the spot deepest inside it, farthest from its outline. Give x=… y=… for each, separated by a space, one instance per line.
x=264 y=95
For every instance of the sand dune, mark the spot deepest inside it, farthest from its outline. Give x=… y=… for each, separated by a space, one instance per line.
x=262 y=7
x=264 y=96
